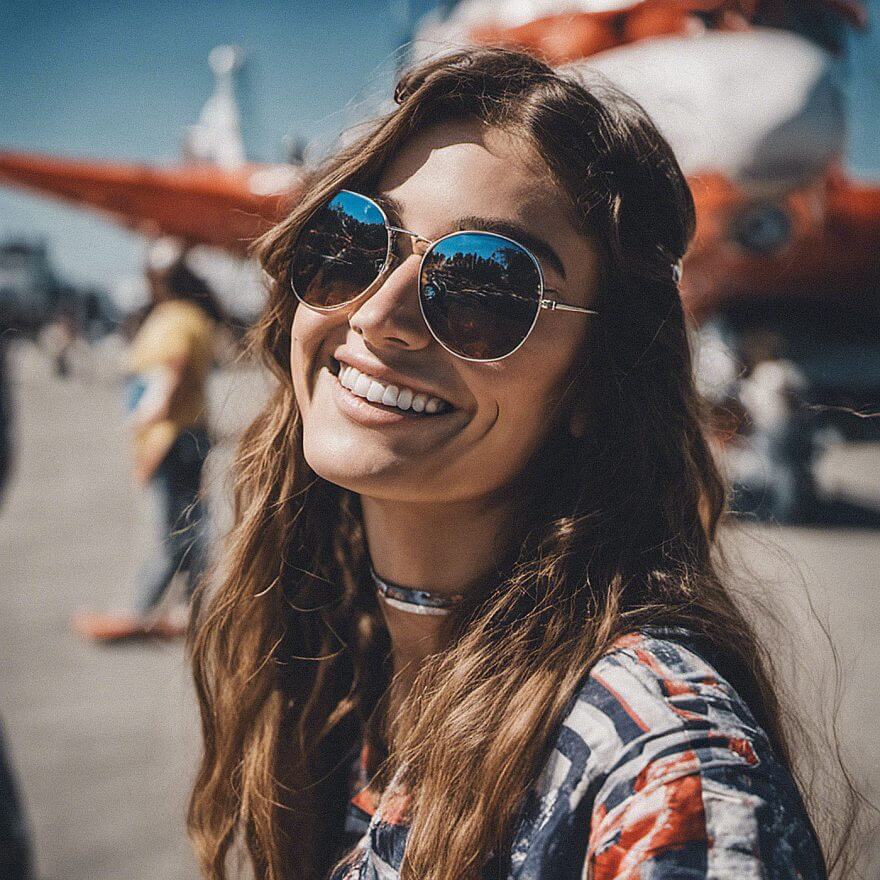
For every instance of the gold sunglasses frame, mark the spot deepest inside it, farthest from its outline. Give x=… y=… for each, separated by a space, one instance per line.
x=390 y=257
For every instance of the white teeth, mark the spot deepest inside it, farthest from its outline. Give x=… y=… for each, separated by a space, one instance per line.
x=389 y=398
x=389 y=395
x=362 y=385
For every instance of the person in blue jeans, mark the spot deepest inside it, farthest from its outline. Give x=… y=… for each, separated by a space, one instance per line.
x=169 y=360
x=181 y=516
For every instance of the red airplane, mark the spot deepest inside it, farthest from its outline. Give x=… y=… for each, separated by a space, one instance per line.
x=817 y=234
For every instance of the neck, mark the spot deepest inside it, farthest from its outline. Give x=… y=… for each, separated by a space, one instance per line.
x=446 y=549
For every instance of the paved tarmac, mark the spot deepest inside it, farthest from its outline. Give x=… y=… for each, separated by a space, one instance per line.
x=105 y=740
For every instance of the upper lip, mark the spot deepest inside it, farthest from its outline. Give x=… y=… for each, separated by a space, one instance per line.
x=386 y=375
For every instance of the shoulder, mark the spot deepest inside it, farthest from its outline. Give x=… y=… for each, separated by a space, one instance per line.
x=657 y=679
x=661 y=758
x=183 y=313
x=185 y=329
x=646 y=706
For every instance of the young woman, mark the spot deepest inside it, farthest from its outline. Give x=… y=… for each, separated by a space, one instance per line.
x=468 y=624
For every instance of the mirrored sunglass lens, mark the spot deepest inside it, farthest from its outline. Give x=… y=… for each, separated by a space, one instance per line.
x=339 y=252
x=480 y=294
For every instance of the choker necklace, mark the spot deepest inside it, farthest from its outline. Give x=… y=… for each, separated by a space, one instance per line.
x=414 y=601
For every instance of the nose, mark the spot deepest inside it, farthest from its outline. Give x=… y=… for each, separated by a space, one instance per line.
x=391 y=317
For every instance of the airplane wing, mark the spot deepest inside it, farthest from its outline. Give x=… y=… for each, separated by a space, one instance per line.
x=196 y=203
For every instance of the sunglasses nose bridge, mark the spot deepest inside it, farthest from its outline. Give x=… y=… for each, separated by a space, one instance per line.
x=390 y=311
x=419 y=243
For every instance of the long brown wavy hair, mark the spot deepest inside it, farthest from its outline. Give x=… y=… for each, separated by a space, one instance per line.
x=290 y=651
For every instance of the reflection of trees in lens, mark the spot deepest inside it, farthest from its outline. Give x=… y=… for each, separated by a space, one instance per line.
x=481 y=306
x=337 y=256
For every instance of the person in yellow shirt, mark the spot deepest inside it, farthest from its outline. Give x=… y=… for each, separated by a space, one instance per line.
x=168 y=364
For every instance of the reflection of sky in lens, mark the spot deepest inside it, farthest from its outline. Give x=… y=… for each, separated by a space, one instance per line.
x=358 y=208
x=486 y=246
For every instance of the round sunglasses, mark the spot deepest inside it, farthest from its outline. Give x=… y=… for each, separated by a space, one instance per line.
x=480 y=292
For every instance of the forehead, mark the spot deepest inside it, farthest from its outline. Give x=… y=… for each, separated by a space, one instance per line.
x=463 y=167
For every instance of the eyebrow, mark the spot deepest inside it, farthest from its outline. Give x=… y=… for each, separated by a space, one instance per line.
x=510 y=228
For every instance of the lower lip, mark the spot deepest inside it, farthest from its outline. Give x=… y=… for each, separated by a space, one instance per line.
x=364 y=412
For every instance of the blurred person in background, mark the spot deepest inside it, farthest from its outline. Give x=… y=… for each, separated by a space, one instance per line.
x=168 y=362
x=470 y=621
x=6 y=441
x=16 y=857
x=781 y=483
x=60 y=339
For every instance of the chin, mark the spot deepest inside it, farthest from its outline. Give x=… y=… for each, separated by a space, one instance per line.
x=345 y=462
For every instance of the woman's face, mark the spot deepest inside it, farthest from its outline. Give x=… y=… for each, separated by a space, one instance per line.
x=498 y=413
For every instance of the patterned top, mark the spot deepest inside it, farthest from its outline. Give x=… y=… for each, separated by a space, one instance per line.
x=659 y=771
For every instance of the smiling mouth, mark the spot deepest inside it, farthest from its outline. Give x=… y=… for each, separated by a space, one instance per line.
x=388 y=397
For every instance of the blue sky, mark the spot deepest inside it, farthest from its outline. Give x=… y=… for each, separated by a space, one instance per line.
x=122 y=80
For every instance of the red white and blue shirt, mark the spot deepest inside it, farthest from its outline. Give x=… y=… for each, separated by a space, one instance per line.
x=659 y=771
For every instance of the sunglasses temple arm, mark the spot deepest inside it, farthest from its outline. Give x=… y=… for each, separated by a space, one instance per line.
x=553 y=305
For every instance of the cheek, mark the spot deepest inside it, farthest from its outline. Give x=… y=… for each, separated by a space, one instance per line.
x=307 y=334
x=298 y=360
x=529 y=393
x=527 y=418
x=521 y=413
x=303 y=330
